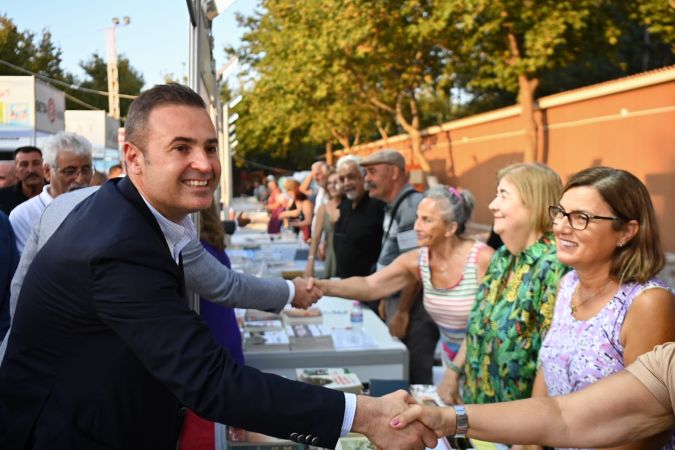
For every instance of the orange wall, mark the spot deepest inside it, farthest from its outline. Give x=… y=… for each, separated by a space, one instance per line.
x=632 y=130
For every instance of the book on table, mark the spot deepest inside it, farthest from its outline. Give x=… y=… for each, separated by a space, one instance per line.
x=333 y=378
x=266 y=341
x=309 y=337
x=294 y=316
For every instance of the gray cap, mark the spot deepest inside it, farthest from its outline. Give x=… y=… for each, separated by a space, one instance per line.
x=386 y=156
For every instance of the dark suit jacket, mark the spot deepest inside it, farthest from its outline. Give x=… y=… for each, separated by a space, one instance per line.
x=104 y=349
x=9 y=258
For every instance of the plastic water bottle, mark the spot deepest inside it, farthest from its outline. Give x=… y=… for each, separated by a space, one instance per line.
x=356 y=315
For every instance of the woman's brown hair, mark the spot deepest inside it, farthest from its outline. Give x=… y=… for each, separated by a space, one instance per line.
x=642 y=257
x=211 y=229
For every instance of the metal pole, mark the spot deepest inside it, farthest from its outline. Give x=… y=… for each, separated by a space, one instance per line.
x=195 y=10
x=113 y=75
x=193 y=57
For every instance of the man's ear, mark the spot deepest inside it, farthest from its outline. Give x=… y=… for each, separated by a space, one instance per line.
x=47 y=169
x=396 y=172
x=133 y=158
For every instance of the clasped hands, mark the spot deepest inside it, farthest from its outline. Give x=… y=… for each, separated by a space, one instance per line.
x=396 y=421
x=307 y=292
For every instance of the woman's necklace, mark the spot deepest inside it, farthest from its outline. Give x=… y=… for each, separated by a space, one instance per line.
x=588 y=298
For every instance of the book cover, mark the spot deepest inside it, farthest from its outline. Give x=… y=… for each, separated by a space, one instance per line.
x=332 y=378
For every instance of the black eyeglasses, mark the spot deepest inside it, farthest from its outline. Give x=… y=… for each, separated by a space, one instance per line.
x=74 y=171
x=577 y=220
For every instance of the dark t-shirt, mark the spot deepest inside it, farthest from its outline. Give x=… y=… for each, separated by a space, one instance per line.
x=11 y=197
x=358 y=237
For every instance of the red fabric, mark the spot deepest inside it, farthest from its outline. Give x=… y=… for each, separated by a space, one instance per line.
x=198 y=433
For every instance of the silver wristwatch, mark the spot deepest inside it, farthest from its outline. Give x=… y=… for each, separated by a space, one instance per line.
x=462 y=421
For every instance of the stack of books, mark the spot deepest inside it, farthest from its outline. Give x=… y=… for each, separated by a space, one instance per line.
x=263 y=331
x=333 y=378
x=302 y=316
x=309 y=337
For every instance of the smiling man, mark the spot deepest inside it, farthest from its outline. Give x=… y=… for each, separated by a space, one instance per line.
x=104 y=350
x=67 y=165
x=358 y=232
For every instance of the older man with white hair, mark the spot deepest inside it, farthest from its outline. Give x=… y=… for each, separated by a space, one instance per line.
x=358 y=232
x=68 y=166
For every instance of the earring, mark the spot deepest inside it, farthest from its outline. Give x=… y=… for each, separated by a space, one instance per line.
x=620 y=244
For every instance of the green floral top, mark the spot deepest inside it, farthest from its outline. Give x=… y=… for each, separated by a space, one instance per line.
x=508 y=322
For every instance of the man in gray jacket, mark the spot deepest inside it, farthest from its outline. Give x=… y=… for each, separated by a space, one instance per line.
x=387 y=180
x=203 y=273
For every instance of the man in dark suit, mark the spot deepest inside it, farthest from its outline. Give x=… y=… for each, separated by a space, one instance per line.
x=104 y=350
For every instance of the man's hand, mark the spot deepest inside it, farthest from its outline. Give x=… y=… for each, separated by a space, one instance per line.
x=441 y=420
x=398 y=325
x=448 y=390
x=305 y=294
x=373 y=414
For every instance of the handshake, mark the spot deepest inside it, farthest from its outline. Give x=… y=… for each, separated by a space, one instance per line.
x=396 y=421
x=307 y=292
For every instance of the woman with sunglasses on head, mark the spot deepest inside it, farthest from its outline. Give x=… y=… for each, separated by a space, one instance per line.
x=610 y=308
x=448 y=265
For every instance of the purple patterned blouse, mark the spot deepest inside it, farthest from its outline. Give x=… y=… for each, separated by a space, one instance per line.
x=576 y=353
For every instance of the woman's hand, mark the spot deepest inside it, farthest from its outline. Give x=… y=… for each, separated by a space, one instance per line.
x=448 y=390
x=440 y=420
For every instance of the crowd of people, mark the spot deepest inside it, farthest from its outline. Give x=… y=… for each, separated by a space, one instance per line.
x=568 y=297
x=104 y=351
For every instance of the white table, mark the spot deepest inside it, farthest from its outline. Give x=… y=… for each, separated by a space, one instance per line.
x=388 y=359
x=268 y=255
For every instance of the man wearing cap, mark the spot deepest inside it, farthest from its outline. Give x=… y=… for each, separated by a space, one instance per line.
x=387 y=180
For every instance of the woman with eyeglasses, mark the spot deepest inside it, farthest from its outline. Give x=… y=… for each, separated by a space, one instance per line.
x=610 y=308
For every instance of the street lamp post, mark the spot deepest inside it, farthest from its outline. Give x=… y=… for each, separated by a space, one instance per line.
x=113 y=76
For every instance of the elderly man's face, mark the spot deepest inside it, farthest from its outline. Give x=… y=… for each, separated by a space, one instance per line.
x=352 y=181
x=72 y=172
x=29 y=168
x=380 y=181
x=319 y=173
x=7 y=177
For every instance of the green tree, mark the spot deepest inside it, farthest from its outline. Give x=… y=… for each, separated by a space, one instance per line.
x=516 y=45
x=343 y=70
x=24 y=49
x=130 y=81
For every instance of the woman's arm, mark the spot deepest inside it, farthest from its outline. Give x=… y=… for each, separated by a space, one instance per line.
x=650 y=321
x=316 y=240
x=539 y=389
x=448 y=390
x=290 y=213
x=614 y=410
x=307 y=211
x=382 y=283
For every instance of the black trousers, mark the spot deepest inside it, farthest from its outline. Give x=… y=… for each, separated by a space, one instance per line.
x=421 y=340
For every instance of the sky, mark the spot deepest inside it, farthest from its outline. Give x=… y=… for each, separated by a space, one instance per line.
x=156 y=40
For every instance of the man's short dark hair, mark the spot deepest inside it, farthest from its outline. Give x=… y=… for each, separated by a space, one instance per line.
x=158 y=95
x=27 y=149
